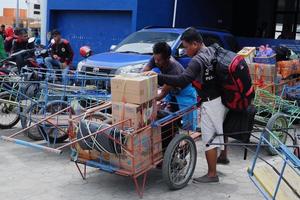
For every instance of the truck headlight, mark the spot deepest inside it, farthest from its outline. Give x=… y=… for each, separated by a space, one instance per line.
x=137 y=68
x=79 y=66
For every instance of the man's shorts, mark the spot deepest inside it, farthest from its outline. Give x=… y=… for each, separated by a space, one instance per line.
x=212 y=117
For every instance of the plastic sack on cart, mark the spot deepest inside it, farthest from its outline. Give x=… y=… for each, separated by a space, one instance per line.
x=100 y=142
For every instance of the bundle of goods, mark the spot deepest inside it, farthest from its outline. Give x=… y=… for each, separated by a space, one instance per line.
x=292 y=93
x=287 y=62
x=100 y=142
x=265 y=55
x=129 y=143
x=263 y=74
x=288 y=68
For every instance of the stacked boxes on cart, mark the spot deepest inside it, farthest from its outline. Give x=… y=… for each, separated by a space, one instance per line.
x=133 y=99
x=265 y=72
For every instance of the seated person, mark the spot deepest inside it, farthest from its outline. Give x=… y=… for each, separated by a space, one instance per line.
x=20 y=42
x=182 y=97
x=61 y=55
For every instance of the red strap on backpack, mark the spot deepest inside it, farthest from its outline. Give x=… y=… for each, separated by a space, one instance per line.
x=197 y=85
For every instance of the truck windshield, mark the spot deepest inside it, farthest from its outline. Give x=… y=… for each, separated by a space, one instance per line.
x=142 y=42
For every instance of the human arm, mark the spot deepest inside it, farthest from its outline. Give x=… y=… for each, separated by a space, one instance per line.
x=192 y=71
x=164 y=92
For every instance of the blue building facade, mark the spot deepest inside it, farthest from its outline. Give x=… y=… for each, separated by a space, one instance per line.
x=102 y=23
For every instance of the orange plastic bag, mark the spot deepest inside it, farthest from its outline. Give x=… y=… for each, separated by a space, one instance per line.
x=288 y=68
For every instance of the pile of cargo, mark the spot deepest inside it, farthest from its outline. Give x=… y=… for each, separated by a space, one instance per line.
x=270 y=71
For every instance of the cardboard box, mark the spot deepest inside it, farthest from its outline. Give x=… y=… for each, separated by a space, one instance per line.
x=266 y=60
x=264 y=73
x=248 y=53
x=157 y=144
x=133 y=88
x=140 y=115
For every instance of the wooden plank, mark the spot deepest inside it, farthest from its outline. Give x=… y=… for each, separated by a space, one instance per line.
x=293 y=178
x=195 y=135
x=268 y=178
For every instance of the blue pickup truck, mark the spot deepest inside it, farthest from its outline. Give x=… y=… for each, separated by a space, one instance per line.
x=133 y=53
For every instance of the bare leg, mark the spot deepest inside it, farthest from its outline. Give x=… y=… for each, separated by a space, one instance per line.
x=223 y=154
x=211 y=176
x=211 y=158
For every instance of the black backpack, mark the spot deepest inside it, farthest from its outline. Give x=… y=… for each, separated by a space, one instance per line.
x=282 y=53
x=232 y=73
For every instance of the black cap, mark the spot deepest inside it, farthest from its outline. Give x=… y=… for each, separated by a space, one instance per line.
x=55 y=32
x=191 y=35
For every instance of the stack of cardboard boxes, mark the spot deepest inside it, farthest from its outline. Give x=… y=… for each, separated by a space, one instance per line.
x=264 y=75
x=133 y=97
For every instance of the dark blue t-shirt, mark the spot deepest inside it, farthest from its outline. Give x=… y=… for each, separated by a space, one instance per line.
x=174 y=68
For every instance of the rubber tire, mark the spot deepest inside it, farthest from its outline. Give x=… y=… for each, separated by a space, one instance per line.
x=270 y=125
x=61 y=138
x=32 y=88
x=16 y=120
x=168 y=157
x=24 y=123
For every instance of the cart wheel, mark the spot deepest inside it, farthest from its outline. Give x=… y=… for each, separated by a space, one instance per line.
x=278 y=125
x=179 y=161
x=9 y=115
x=49 y=131
x=30 y=117
x=32 y=90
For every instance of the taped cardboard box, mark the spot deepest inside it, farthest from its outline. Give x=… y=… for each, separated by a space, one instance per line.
x=140 y=115
x=139 y=145
x=134 y=89
x=248 y=53
x=266 y=73
x=157 y=143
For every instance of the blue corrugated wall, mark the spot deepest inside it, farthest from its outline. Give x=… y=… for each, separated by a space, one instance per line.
x=98 y=23
x=101 y=23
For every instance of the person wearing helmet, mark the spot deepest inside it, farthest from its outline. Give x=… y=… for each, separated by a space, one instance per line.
x=61 y=55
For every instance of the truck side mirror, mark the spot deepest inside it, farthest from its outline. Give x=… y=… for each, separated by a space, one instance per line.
x=181 y=52
x=112 y=47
